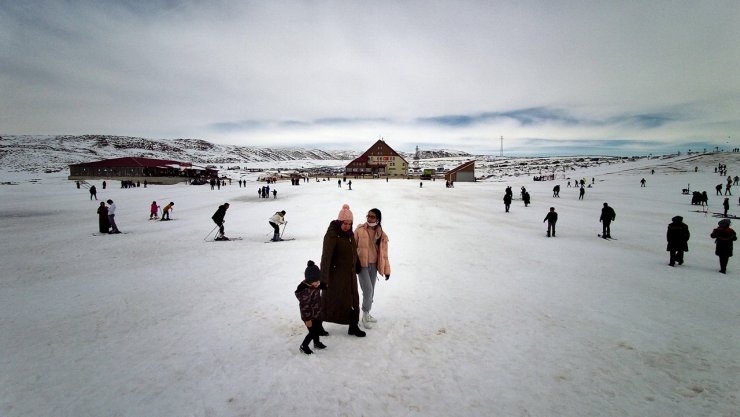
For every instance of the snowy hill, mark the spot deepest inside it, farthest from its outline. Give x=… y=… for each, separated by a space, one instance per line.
x=52 y=153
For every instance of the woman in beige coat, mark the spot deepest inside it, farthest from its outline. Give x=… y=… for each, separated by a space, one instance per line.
x=372 y=251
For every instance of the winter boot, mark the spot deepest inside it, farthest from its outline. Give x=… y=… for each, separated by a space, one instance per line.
x=320 y=328
x=354 y=330
x=305 y=349
x=365 y=322
x=319 y=345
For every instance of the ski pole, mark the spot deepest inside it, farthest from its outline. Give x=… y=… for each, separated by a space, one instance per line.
x=284 y=226
x=209 y=233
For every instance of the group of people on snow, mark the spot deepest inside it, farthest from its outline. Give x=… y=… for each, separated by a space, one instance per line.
x=107 y=218
x=330 y=293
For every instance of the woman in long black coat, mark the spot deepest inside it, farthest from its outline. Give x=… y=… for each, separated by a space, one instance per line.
x=340 y=300
x=103 y=223
x=678 y=237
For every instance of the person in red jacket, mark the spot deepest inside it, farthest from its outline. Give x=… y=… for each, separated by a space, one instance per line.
x=724 y=236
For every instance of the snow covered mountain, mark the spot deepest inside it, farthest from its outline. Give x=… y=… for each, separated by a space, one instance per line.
x=55 y=152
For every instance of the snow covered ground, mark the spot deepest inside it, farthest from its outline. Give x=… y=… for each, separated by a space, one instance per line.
x=483 y=315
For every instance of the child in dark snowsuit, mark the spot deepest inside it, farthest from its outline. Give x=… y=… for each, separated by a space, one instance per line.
x=308 y=294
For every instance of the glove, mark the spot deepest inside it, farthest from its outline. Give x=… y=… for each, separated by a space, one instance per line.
x=387 y=277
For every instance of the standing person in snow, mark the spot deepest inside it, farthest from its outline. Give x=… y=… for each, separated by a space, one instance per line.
x=93 y=193
x=153 y=210
x=581 y=192
x=166 y=211
x=556 y=191
x=277 y=219
x=678 y=237
x=112 y=217
x=607 y=217
x=723 y=237
x=726 y=205
x=526 y=198
x=103 y=224
x=308 y=294
x=372 y=254
x=551 y=218
x=218 y=218
x=340 y=301
x=507 y=201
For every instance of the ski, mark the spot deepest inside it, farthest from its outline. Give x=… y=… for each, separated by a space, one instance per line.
x=227 y=240
x=281 y=240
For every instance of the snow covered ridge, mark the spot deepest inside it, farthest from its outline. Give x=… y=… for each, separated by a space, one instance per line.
x=56 y=152
x=52 y=153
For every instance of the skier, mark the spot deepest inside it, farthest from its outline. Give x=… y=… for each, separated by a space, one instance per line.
x=218 y=218
x=277 y=219
x=724 y=236
x=153 y=210
x=642 y=182
x=308 y=294
x=551 y=218
x=556 y=191
x=677 y=237
x=166 y=211
x=607 y=216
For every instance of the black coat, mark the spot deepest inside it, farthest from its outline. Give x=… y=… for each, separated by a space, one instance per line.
x=340 y=301
x=219 y=215
x=678 y=237
x=724 y=236
x=607 y=215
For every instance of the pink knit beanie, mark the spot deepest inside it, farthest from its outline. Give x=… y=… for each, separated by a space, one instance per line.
x=345 y=213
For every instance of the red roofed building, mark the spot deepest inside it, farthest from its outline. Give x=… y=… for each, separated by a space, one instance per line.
x=463 y=173
x=162 y=171
x=379 y=160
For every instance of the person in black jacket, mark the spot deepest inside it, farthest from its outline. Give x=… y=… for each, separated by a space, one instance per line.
x=678 y=238
x=551 y=219
x=607 y=217
x=218 y=218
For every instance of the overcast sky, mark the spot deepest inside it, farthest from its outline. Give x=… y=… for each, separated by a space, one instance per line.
x=549 y=76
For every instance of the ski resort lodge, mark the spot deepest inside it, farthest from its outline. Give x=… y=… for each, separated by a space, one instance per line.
x=379 y=160
x=154 y=171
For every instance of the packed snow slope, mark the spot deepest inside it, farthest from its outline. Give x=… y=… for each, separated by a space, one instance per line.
x=482 y=316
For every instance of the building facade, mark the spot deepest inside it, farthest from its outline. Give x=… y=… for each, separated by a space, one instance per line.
x=379 y=160
x=134 y=168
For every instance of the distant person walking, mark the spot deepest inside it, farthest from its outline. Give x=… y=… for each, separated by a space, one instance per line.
x=723 y=237
x=581 y=192
x=103 y=224
x=551 y=218
x=218 y=218
x=507 y=201
x=93 y=193
x=726 y=206
x=607 y=217
x=556 y=191
x=678 y=237
x=112 y=217
x=642 y=182
x=718 y=188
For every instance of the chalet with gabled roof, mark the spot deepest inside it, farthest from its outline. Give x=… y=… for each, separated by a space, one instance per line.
x=379 y=160
x=463 y=173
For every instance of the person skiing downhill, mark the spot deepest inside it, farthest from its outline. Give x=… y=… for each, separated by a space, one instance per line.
x=218 y=218
x=277 y=219
x=166 y=211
